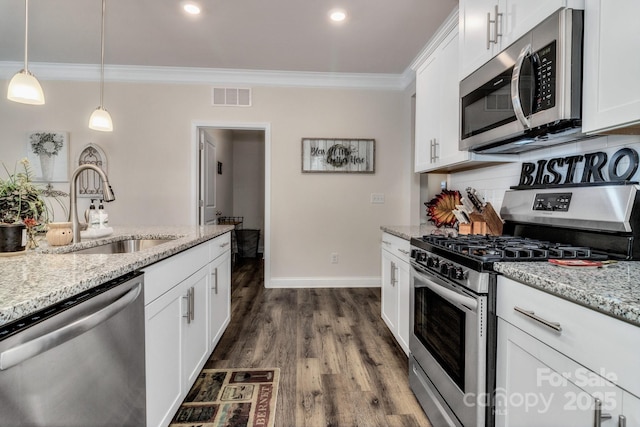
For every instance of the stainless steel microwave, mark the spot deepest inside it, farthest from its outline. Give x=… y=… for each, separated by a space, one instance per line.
x=529 y=96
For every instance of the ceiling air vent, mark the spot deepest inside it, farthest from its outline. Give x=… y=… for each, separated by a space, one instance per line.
x=231 y=96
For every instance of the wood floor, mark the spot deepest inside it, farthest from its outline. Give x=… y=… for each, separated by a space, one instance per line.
x=339 y=364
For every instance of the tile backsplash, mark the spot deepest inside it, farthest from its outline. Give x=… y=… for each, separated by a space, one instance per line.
x=491 y=182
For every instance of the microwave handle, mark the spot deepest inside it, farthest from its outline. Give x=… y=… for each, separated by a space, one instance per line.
x=515 y=87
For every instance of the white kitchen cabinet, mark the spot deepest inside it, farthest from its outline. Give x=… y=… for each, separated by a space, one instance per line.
x=395 y=287
x=178 y=319
x=556 y=360
x=437 y=132
x=611 y=89
x=437 y=112
x=220 y=297
x=163 y=352
x=195 y=322
x=489 y=26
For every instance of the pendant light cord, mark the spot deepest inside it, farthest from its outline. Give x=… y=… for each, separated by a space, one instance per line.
x=26 y=34
x=102 y=56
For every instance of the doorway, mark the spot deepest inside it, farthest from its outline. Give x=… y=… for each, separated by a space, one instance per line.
x=233 y=159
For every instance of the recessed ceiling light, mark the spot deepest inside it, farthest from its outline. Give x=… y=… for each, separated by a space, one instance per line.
x=191 y=8
x=338 y=15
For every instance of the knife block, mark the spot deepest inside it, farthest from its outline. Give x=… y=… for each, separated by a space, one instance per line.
x=491 y=219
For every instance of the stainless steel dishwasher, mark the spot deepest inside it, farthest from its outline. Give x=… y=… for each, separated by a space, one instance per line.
x=79 y=362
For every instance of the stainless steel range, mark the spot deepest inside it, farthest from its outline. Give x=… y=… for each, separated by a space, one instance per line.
x=453 y=322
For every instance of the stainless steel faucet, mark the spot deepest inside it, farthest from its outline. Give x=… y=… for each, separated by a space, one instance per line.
x=107 y=196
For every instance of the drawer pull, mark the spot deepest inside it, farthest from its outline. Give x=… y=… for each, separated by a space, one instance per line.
x=622 y=421
x=224 y=244
x=404 y=251
x=599 y=415
x=386 y=243
x=532 y=315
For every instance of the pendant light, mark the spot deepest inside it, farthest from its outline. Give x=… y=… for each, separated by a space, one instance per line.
x=101 y=119
x=24 y=87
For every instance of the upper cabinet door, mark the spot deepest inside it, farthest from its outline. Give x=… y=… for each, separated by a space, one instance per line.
x=611 y=91
x=477 y=32
x=488 y=27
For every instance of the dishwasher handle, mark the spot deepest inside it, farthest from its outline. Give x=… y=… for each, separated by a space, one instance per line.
x=30 y=349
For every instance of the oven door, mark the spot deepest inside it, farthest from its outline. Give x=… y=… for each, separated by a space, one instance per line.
x=448 y=342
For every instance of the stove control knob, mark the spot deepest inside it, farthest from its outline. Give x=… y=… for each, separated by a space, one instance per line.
x=421 y=257
x=446 y=268
x=433 y=262
x=457 y=273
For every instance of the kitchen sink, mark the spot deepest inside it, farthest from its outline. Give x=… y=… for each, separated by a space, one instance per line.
x=122 y=246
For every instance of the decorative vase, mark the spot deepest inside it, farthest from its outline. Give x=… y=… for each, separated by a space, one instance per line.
x=13 y=238
x=46 y=164
x=59 y=234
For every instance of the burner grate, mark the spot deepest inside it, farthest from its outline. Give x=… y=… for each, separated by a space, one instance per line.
x=507 y=248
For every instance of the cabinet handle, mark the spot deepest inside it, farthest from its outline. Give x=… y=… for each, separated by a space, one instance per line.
x=188 y=298
x=386 y=243
x=622 y=421
x=598 y=415
x=215 y=281
x=495 y=28
x=393 y=273
x=435 y=149
x=224 y=244
x=433 y=155
x=404 y=251
x=193 y=303
x=532 y=315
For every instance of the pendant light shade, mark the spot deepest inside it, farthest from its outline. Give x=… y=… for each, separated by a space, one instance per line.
x=101 y=119
x=24 y=87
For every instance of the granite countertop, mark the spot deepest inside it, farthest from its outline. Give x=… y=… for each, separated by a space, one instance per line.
x=614 y=290
x=408 y=231
x=37 y=279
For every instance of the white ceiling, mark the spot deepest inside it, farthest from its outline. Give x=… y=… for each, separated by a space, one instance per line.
x=380 y=36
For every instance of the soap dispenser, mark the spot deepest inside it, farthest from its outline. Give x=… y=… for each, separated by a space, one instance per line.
x=103 y=216
x=94 y=221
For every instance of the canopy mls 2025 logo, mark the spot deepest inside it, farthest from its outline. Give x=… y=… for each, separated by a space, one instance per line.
x=596 y=168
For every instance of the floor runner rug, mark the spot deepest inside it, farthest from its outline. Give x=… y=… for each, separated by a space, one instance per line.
x=230 y=398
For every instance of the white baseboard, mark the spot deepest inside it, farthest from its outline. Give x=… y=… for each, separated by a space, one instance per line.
x=324 y=282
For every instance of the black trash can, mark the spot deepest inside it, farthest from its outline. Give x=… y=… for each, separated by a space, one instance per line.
x=248 y=240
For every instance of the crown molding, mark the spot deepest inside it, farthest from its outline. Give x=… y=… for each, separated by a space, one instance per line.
x=214 y=76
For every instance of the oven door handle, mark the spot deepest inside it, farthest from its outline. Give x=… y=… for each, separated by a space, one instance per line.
x=448 y=294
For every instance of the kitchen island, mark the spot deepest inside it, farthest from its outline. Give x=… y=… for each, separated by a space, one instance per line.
x=37 y=279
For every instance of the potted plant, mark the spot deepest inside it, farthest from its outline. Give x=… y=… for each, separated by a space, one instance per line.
x=22 y=208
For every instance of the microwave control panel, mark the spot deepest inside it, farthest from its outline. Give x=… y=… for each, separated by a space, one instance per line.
x=544 y=64
x=558 y=202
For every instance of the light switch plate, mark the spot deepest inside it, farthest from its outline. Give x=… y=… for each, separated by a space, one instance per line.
x=377 y=198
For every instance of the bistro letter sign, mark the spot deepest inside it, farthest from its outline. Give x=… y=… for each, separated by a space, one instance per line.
x=596 y=167
x=338 y=155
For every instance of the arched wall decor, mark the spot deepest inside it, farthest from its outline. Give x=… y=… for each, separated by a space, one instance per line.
x=89 y=182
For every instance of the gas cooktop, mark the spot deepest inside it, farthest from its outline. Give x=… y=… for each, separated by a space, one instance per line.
x=506 y=248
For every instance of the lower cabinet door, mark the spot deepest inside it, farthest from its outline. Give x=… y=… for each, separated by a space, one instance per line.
x=220 y=298
x=538 y=386
x=163 y=353
x=196 y=337
x=389 y=292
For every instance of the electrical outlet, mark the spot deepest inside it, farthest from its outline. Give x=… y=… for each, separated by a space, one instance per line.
x=377 y=198
x=334 y=257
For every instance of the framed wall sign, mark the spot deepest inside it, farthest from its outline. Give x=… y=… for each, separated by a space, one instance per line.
x=337 y=155
x=48 y=154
